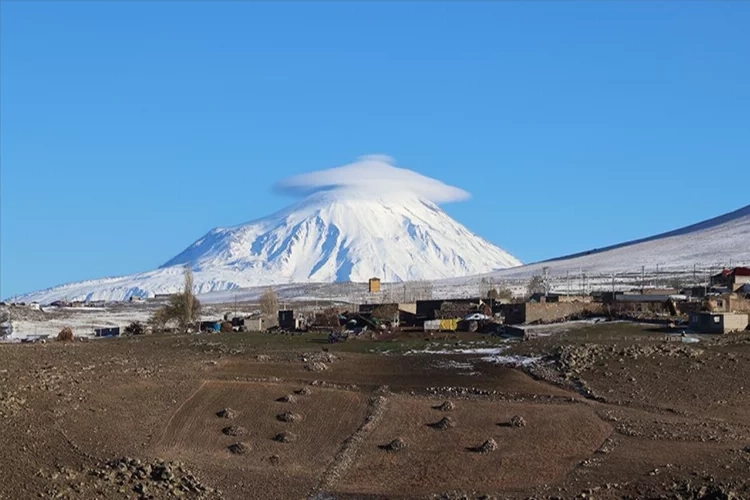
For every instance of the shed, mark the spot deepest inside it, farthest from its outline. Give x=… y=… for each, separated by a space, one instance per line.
x=432 y=325
x=718 y=322
x=109 y=331
x=374 y=285
x=254 y=324
x=286 y=320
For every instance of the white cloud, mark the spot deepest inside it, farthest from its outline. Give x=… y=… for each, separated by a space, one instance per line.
x=372 y=172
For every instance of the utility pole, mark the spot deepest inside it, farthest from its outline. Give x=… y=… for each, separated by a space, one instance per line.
x=643 y=279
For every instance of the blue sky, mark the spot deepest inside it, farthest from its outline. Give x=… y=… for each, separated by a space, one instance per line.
x=127 y=130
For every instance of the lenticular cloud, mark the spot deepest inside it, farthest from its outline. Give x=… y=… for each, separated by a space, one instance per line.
x=373 y=172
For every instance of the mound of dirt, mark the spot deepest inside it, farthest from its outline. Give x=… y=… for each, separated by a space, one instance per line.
x=285 y=437
x=305 y=391
x=487 y=447
x=445 y=423
x=148 y=480
x=446 y=406
x=288 y=416
x=316 y=367
x=397 y=444
x=234 y=430
x=226 y=413
x=238 y=448
x=274 y=459
x=289 y=398
x=517 y=421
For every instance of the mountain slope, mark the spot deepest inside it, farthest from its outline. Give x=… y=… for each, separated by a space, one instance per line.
x=333 y=235
x=715 y=242
x=709 y=245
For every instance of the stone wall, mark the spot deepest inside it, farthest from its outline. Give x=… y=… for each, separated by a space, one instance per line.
x=735 y=322
x=534 y=312
x=737 y=304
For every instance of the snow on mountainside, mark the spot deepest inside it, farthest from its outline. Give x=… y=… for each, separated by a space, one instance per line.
x=713 y=243
x=709 y=245
x=348 y=235
x=355 y=222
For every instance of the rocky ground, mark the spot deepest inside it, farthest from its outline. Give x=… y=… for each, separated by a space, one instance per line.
x=84 y=419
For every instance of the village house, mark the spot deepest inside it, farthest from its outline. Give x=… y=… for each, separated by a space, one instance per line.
x=734 y=279
x=718 y=322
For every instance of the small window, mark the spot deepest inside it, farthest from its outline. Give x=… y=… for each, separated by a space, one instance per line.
x=717 y=319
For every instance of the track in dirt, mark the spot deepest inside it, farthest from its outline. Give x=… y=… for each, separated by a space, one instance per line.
x=328 y=417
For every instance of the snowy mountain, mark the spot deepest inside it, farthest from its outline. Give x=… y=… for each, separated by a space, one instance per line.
x=364 y=225
x=708 y=246
x=711 y=244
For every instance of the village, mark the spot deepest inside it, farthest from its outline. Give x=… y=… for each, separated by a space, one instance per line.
x=638 y=392
x=721 y=305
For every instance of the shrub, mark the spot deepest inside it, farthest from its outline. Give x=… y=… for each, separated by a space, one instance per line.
x=66 y=335
x=135 y=328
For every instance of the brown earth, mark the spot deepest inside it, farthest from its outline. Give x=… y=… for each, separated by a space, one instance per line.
x=613 y=411
x=557 y=437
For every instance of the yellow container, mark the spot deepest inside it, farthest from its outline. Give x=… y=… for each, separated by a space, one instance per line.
x=449 y=324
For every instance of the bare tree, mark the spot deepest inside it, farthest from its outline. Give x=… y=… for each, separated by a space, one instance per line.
x=187 y=312
x=269 y=302
x=537 y=284
x=183 y=308
x=386 y=312
x=502 y=294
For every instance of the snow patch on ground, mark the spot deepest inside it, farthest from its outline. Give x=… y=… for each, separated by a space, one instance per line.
x=513 y=360
x=479 y=350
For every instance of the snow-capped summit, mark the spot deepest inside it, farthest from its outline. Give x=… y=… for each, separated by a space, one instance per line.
x=348 y=234
x=354 y=222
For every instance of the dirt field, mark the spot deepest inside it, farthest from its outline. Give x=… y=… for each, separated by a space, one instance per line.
x=613 y=410
x=328 y=416
x=556 y=437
